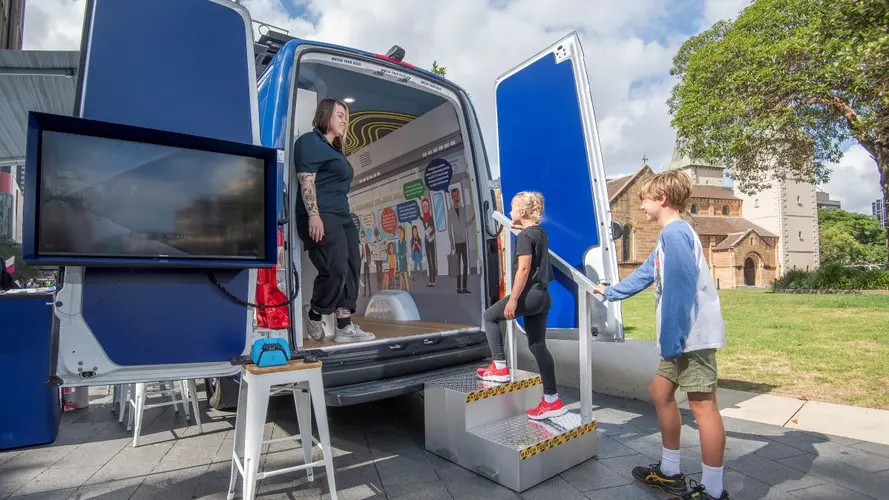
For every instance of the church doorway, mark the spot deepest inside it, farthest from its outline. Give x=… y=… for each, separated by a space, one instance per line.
x=749 y=272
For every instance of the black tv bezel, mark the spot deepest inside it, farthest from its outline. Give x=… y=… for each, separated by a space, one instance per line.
x=40 y=122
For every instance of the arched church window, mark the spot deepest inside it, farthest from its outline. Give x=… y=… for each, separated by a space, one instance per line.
x=725 y=210
x=694 y=208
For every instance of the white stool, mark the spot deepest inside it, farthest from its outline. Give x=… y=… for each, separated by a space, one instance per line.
x=135 y=395
x=253 y=403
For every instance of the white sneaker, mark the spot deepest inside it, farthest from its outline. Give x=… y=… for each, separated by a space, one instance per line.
x=313 y=328
x=352 y=333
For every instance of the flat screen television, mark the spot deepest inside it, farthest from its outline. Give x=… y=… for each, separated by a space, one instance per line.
x=105 y=194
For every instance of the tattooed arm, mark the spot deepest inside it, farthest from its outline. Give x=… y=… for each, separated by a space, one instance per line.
x=310 y=199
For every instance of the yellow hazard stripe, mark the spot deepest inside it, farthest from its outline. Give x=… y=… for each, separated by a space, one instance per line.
x=502 y=389
x=556 y=441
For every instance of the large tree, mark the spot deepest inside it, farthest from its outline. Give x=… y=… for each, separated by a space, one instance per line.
x=778 y=92
x=849 y=238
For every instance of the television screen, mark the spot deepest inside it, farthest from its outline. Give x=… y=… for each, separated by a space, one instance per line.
x=101 y=197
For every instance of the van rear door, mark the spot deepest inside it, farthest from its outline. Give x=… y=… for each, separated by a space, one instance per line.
x=548 y=142
x=184 y=66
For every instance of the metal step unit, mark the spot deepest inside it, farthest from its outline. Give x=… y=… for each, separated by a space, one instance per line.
x=482 y=426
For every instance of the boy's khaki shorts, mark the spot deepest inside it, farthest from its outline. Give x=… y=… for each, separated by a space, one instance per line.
x=694 y=371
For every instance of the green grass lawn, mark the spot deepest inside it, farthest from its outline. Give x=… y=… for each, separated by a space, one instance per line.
x=832 y=348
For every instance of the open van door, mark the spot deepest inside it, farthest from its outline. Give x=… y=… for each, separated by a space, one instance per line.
x=184 y=66
x=548 y=142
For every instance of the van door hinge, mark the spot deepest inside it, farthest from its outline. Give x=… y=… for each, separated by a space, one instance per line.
x=495 y=183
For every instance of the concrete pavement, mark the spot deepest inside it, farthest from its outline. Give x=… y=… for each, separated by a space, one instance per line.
x=379 y=453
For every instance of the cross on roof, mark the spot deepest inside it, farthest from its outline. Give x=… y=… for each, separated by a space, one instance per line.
x=644 y=160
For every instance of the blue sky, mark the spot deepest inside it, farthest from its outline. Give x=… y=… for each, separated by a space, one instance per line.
x=628 y=46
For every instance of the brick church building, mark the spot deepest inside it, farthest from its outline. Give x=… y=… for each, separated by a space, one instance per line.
x=739 y=252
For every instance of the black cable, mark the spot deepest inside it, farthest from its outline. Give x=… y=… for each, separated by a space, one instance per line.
x=212 y=276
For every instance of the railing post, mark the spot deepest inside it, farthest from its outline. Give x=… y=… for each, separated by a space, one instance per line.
x=511 y=358
x=585 y=366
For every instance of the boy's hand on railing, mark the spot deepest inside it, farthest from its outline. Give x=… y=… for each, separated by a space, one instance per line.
x=600 y=289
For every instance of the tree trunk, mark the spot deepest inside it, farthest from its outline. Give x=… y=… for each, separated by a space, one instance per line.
x=881 y=151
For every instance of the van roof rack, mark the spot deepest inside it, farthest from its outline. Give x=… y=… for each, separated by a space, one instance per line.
x=269 y=43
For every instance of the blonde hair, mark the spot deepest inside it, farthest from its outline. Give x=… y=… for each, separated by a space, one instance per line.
x=673 y=185
x=532 y=202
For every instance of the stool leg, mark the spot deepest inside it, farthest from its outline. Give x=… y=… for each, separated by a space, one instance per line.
x=137 y=413
x=316 y=387
x=183 y=396
x=122 y=401
x=303 y=402
x=238 y=449
x=257 y=409
x=193 y=397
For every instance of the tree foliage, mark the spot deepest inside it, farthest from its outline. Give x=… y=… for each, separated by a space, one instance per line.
x=9 y=248
x=850 y=238
x=775 y=93
x=438 y=70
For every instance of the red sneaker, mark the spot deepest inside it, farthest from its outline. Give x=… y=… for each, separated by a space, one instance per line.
x=547 y=410
x=490 y=373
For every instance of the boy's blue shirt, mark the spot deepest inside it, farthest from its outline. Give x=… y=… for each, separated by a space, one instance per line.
x=688 y=310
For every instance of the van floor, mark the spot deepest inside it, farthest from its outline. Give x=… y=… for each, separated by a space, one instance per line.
x=390 y=329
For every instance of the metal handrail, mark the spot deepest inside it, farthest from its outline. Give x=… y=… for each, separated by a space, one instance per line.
x=586 y=288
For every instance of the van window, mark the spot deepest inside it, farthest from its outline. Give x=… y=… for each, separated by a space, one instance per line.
x=413 y=193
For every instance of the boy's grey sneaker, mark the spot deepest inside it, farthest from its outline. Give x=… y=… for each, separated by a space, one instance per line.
x=352 y=333
x=699 y=493
x=313 y=328
x=654 y=477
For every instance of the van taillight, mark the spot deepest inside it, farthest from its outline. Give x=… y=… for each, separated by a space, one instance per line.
x=395 y=61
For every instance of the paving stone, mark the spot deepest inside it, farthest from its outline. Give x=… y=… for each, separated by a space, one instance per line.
x=881 y=450
x=593 y=475
x=610 y=448
x=47 y=495
x=825 y=492
x=171 y=485
x=419 y=491
x=556 y=487
x=628 y=492
x=773 y=473
x=835 y=472
x=57 y=479
x=108 y=490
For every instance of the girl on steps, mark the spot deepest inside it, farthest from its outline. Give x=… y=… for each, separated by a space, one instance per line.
x=532 y=272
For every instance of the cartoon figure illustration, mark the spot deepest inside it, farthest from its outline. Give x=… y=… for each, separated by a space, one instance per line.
x=392 y=267
x=366 y=257
x=429 y=231
x=459 y=220
x=401 y=252
x=416 y=251
x=379 y=256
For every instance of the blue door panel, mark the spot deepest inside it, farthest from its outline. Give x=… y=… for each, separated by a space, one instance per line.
x=178 y=65
x=541 y=143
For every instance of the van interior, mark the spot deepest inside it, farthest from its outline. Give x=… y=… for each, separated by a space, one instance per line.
x=413 y=198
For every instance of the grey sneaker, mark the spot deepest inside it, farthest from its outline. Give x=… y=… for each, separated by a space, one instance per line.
x=353 y=333
x=313 y=328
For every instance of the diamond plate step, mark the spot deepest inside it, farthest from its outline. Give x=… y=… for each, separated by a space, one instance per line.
x=519 y=453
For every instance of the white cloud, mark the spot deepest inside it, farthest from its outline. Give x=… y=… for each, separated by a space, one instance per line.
x=854 y=181
x=478 y=40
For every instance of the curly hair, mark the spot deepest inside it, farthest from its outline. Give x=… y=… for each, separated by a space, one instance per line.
x=532 y=202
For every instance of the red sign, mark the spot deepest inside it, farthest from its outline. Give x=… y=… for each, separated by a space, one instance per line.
x=389 y=220
x=6 y=183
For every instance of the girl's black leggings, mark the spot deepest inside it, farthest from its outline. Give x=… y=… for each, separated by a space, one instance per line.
x=533 y=305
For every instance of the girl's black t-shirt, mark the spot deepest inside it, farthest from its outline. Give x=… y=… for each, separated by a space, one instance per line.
x=534 y=241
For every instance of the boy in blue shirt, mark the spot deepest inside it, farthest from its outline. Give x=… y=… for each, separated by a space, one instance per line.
x=689 y=330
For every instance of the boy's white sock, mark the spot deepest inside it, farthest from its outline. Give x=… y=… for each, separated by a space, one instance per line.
x=712 y=480
x=670 y=462
x=499 y=365
x=550 y=398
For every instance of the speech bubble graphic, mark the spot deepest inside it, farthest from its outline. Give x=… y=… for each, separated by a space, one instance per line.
x=408 y=211
x=438 y=175
x=413 y=190
x=388 y=220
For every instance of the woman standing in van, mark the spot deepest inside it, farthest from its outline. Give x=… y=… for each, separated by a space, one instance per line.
x=324 y=223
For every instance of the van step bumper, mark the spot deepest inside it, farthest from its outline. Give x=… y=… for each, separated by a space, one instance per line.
x=382 y=389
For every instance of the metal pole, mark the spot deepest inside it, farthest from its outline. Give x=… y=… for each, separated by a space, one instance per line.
x=585 y=366
x=510 y=324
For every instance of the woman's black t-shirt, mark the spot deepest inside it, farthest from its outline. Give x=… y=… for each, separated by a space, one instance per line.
x=534 y=241
x=312 y=154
